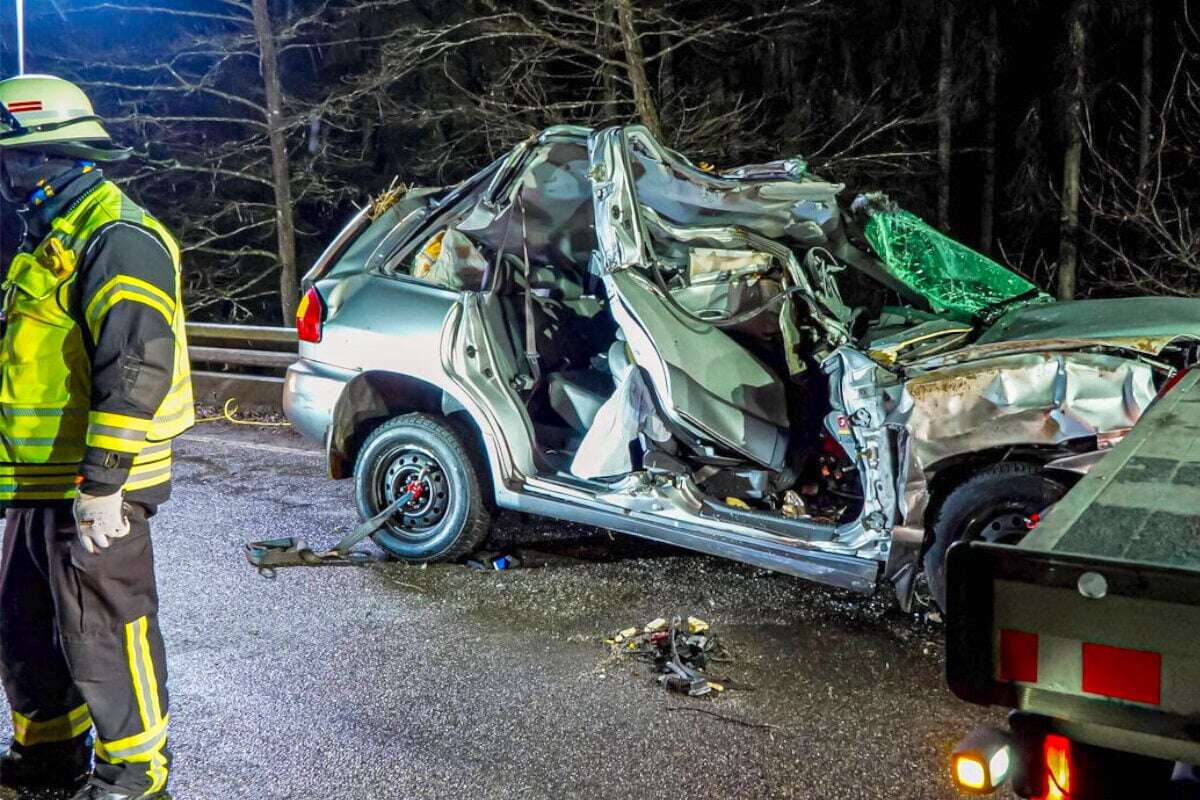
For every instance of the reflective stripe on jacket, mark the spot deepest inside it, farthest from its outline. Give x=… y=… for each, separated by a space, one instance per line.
x=46 y=415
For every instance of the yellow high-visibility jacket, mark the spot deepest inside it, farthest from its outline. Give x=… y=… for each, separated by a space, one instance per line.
x=49 y=412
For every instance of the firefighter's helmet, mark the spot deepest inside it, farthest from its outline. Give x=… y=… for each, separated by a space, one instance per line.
x=49 y=114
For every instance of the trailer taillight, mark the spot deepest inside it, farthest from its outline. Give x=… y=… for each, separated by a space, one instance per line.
x=1056 y=751
x=310 y=315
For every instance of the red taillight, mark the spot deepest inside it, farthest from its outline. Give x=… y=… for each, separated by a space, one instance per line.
x=310 y=315
x=1057 y=754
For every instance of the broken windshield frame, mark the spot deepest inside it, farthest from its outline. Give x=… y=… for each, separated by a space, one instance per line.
x=956 y=280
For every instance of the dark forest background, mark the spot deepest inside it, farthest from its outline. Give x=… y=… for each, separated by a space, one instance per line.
x=1060 y=137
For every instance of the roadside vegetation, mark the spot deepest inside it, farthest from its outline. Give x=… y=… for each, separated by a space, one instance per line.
x=1060 y=138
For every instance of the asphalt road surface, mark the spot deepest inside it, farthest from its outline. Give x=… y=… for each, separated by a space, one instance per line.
x=392 y=681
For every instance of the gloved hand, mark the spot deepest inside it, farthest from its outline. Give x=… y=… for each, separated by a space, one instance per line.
x=99 y=520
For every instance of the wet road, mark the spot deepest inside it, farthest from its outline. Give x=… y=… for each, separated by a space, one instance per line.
x=398 y=682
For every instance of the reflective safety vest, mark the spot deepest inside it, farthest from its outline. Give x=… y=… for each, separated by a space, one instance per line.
x=46 y=419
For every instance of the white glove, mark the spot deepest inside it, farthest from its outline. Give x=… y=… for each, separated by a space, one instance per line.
x=99 y=520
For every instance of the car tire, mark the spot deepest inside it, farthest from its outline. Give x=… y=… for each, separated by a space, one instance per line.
x=991 y=506
x=450 y=520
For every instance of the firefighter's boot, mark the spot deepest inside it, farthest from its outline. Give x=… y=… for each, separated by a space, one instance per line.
x=62 y=765
x=99 y=790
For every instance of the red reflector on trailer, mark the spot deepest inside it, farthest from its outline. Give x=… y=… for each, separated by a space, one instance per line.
x=1018 y=656
x=1122 y=673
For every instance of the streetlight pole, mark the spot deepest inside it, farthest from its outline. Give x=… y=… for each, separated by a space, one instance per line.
x=20 y=37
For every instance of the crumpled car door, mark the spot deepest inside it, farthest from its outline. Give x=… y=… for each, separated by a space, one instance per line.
x=706 y=384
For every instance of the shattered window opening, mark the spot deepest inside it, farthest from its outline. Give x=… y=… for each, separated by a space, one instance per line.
x=953 y=277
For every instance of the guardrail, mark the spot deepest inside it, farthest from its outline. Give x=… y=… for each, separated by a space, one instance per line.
x=245 y=362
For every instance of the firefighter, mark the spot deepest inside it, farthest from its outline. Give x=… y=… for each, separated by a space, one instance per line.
x=94 y=384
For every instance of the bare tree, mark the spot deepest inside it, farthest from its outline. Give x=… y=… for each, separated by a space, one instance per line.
x=1144 y=225
x=945 y=111
x=635 y=63
x=227 y=147
x=1146 y=95
x=1068 y=254
x=592 y=62
x=281 y=174
x=987 y=194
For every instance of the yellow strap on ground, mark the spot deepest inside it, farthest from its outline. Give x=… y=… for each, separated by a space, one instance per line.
x=231 y=408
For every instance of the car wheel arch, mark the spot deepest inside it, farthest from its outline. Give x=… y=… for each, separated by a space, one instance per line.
x=944 y=477
x=376 y=396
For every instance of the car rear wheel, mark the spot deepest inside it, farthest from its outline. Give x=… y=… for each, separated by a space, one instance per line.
x=997 y=504
x=449 y=517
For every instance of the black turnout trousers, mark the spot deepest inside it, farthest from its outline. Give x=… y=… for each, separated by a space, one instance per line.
x=80 y=645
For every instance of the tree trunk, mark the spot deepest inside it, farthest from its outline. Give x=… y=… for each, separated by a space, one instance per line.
x=987 y=203
x=1144 y=134
x=945 y=113
x=608 y=43
x=1068 y=250
x=285 y=227
x=635 y=60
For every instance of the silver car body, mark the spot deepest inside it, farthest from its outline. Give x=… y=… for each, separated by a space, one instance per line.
x=1056 y=382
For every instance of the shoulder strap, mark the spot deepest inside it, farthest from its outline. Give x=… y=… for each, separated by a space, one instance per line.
x=531 y=353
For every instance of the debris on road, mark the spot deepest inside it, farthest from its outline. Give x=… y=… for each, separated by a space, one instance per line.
x=681 y=652
x=487 y=560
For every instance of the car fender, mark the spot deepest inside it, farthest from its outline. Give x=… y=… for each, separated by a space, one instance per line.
x=415 y=385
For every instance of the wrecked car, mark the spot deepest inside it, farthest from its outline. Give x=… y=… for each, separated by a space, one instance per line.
x=596 y=330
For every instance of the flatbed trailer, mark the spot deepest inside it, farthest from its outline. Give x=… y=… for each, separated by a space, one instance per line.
x=1089 y=628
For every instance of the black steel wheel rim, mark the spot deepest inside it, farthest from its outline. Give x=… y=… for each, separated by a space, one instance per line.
x=412 y=467
x=1004 y=526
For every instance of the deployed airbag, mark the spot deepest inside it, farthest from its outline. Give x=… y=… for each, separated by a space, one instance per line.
x=628 y=412
x=451 y=260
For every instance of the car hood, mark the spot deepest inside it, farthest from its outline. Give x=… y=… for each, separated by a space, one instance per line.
x=1144 y=324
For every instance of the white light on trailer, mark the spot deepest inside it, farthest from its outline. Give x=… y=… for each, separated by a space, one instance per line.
x=981 y=762
x=998 y=766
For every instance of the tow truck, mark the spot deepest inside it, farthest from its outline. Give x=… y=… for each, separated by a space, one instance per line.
x=1088 y=629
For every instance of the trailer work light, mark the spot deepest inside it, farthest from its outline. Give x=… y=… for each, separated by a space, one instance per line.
x=970 y=772
x=981 y=762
